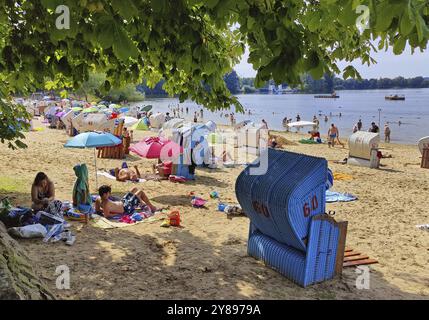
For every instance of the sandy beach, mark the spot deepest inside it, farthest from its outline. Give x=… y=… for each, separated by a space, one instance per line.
x=207 y=257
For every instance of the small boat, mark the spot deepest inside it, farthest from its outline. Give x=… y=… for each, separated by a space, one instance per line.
x=327 y=96
x=395 y=98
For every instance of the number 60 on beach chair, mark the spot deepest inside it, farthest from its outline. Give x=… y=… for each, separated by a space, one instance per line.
x=289 y=229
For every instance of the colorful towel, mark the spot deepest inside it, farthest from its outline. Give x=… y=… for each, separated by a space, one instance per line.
x=81 y=195
x=109 y=176
x=103 y=223
x=308 y=141
x=342 y=176
x=332 y=196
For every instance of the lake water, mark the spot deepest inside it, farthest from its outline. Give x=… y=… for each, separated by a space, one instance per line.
x=413 y=113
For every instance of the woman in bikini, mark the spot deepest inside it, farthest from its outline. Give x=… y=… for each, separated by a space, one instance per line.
x=42 y=192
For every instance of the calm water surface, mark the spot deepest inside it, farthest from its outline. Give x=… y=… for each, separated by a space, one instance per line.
x=413 y=113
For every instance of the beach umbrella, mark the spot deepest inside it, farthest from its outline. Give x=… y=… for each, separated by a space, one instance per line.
x=92 y=109
x=155 y=148
x=301 y=124
x=114 y=106
x=93 y=140
x=77 y=109
x=146 y=108
x=124 y=110
x=129 y=121
x=101 y=107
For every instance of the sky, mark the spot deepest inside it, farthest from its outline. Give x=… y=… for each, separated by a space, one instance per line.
x=388 y=65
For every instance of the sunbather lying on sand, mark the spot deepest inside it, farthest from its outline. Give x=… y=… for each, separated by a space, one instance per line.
x=125 y=174
x=132 y=200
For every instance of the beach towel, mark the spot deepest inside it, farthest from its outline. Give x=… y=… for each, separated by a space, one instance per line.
x=81 y=195
x=342 y=176
x=109 y=176
x=103 y=223
x=332 y=196
x=308 y=141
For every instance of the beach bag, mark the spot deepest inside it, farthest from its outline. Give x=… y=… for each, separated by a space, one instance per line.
x=16 y=217
x=174 y=218
x=55 y=208
x=27 y=232
x=198 y=202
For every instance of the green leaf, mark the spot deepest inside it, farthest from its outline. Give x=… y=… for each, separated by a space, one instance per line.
x=126 y=8
x=399 y=45
x=406 y=25
x=123 y=47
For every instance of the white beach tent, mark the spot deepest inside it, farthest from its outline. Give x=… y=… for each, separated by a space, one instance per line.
x=66 y=119
x=157 y=120
x=173 y=124
x=423 y=143
x=94 y=122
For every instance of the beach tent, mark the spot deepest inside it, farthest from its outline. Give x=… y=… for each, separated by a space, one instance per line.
x=156 y=148
x=173 y=124
x=157 y=120
x=140 y=125
x=94 y=122
x=423 y=143
x=66 y=119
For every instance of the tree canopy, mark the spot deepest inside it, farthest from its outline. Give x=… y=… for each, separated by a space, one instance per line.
x=192 y=44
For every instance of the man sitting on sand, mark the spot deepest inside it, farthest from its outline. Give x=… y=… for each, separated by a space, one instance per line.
x=132 y=200
x=314 y=135
x=125 y=174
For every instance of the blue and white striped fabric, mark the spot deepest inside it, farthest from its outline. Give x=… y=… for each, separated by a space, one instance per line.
x=329 y=180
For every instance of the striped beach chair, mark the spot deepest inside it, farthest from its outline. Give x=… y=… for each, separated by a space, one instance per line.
x=289 y=229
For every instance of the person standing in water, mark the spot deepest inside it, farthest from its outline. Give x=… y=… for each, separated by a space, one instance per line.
x=359 y=125
x=387 y=133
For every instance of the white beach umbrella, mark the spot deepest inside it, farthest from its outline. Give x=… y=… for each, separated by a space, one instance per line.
x=301 y=124
x=129 y=121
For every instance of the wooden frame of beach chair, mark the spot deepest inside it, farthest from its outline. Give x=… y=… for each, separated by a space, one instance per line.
x=116 y=152
x=425 y=158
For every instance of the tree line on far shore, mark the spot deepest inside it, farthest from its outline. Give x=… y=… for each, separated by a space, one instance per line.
x=327 y=84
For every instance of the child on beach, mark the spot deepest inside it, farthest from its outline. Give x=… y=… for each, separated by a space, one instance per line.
x=132 y=200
